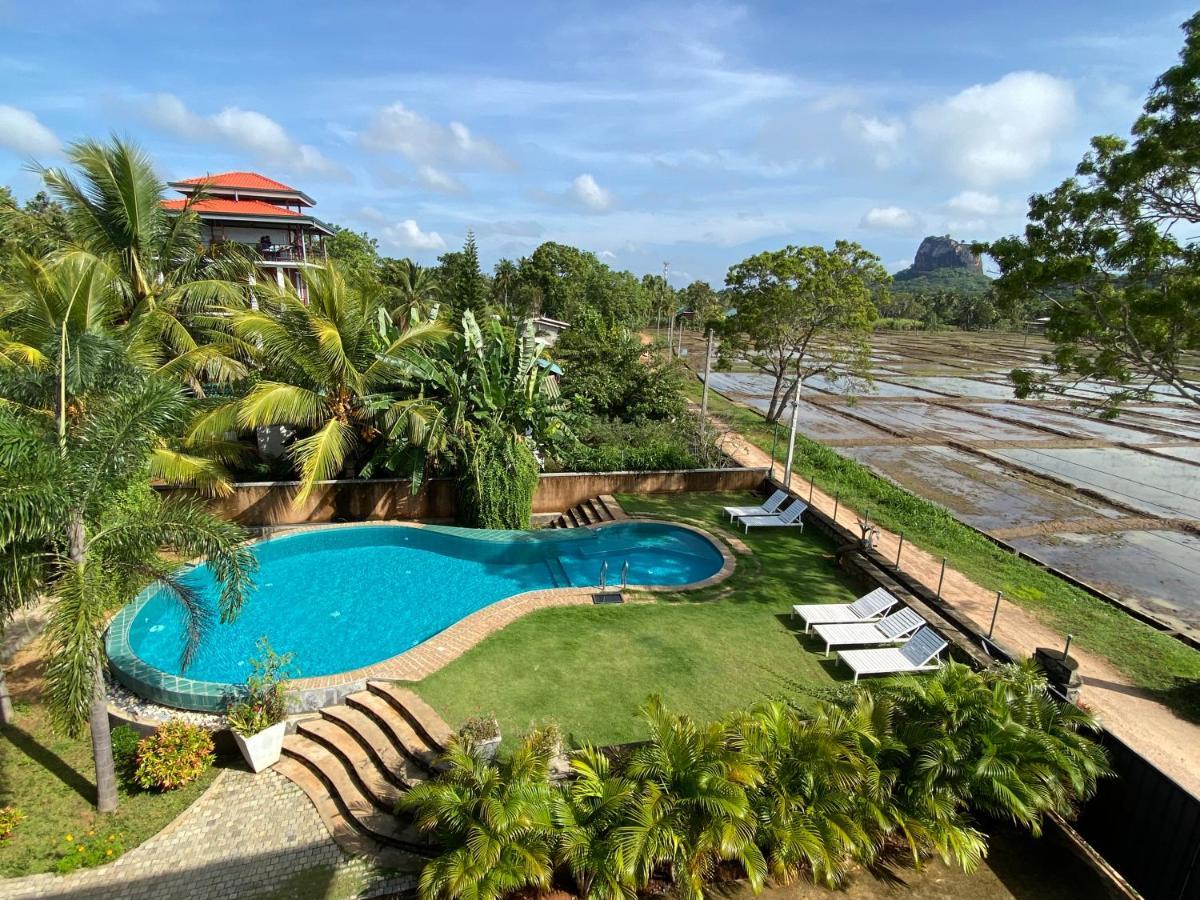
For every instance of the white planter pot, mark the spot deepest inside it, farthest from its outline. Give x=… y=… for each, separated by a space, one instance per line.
x=486 y=750
x=262 y=750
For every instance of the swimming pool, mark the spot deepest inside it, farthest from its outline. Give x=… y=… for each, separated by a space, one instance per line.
x=346 y=597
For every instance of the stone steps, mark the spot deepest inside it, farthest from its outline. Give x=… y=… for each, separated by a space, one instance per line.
x=592 y=511
x=357 y=760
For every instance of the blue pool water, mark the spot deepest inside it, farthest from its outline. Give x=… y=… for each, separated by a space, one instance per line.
x=343 y=598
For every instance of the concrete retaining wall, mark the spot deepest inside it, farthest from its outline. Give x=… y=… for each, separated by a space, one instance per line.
x=263 y=504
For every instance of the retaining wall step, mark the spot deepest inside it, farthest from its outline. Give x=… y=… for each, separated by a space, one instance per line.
x=360 y=764
x=404 y=738
x=419 y=714
x=399 y=768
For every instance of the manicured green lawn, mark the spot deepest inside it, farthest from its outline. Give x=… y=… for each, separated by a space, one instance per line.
x=49 y=777
x=705 y=652
x=1157 y=662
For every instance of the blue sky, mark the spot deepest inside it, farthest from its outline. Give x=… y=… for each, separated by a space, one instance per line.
x=695 y=134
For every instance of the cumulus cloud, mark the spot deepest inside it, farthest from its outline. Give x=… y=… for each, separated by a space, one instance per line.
x=880 y=137
x=21 y=132
x=889 y=218
x=606 y=254
x=586 y=191
x=975 y=203
x=423 y=142
x=243 y=128
x=991 y=133
x=408 y=235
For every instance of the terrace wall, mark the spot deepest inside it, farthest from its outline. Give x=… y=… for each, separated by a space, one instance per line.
x=266 y=504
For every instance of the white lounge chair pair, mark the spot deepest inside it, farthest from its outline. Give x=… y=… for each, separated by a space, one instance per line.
x=768 y=515
x=766 y=509
x=891 y=629
x=867 y=608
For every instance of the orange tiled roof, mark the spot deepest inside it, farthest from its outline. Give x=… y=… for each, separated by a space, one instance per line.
x=234 y=207
x=245 y=180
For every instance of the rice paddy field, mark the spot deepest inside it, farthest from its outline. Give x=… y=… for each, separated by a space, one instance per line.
x=1112 y=503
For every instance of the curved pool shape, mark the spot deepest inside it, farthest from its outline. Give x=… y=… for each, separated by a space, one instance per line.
x=347 y=597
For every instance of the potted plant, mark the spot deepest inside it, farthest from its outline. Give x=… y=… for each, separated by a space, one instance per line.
x=257 y=718
x=482 y=735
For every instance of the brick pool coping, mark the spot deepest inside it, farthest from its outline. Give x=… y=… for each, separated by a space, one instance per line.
x=413 y=664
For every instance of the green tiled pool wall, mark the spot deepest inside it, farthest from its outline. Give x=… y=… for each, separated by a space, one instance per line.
x=153 y=684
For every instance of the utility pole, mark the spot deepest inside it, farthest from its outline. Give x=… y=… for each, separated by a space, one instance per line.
x=707 y=370
x=664 y=289
x=791 y=454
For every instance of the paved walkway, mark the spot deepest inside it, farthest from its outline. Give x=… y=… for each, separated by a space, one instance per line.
x=247 y=836
x=1171 y=743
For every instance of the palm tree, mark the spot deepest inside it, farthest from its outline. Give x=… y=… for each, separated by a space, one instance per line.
x=489 y=403
x=171 y=287
x=693 y=809
x=332 y=367
x=587 y=813
x=493 y=821
x=79 y=523
x=996 y=742
x=504 y=281
x=418 y=291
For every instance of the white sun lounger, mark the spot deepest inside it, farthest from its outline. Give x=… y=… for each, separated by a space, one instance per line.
x=767 y=509
x=918 y=654
x=866 y=608
x=789 y=518
x=888 y=630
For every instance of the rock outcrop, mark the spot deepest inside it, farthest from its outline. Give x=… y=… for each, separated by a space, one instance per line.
x=942 y=253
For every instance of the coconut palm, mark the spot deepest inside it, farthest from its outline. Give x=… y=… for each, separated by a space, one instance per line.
x=494 y=822
x=587 y=812
x=692 y=809
x=79 y=523
x=170 y=285
x=331 y=368
x=69 y=305
x=417 y=289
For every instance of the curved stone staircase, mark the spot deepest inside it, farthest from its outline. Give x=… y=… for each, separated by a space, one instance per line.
x=356 y=759
x=593 y=511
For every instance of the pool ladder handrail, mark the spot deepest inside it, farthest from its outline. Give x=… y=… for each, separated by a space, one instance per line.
x=604 y=575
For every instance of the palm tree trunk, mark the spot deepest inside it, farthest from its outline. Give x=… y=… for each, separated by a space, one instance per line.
x=6 y=708
x=106 y=772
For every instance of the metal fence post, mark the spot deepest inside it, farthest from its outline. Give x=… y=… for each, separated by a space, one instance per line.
x=899 y=549
x=941 y=578
x=836 y=500
x=995 y=612
x=812 y=481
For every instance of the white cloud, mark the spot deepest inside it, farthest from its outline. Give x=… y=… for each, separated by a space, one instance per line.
x=880 y=137
x=21 y=132
x=975 y=203
x=606 y=254
x=1002 y=131
x=585 y=190
x=889 y=218
x=408 y=236
x=437 y=180
x=397 y=129
x=243 y=128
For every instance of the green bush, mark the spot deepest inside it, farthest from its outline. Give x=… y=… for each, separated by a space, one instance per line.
x=87 y=850
x=644 y=446
x=176 y=754
x=859 y=777
x=10 y=818
x=264 y=702
x=125 y=742
x=497 y=489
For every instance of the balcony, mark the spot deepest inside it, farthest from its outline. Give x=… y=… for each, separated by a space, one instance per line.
x=278 y=254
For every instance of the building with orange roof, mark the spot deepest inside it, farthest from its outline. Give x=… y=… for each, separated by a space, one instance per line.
x=258 y=212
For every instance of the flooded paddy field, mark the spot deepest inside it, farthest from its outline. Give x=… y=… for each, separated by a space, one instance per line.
x=1114 y=503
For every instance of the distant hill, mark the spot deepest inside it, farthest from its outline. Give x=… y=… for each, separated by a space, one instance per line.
x=943 y=264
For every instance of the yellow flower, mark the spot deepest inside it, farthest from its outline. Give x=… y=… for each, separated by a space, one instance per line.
x=79 y=849
x=92 y=833
x=108 y=852
x=70 y=838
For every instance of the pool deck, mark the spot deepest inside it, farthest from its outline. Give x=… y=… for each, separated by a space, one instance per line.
x=413 y=664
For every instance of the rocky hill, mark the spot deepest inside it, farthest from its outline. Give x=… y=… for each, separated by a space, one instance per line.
x=942 y=252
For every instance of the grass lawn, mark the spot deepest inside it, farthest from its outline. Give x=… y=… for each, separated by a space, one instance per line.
x=1163 y=666
x=50 y=778
x=705 y=652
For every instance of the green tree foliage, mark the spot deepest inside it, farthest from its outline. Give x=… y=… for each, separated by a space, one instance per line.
x=356 y=256
x=969 y=310
x=785 y=790
x=803 y=311
x=569 y=284
x=1112 y=251
x=706 y=303
x=497 y=489
x=463 y=283
x=413 y=290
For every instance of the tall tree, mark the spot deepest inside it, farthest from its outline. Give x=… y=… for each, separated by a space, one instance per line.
x=80 y=525
x=504 y=283
x=1112 y=252
x=803 y=311
x=414 y=288
x=331 y=368
x=463 y=282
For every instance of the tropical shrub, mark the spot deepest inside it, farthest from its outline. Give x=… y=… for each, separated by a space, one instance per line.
x=494 y=822
x=588 y=813
x=643 y=446
x=176 y=754
x=264 y=702
x=87 y=850
x=496 y=491
x=10 y=818
x=125 y=742
x=477 y=729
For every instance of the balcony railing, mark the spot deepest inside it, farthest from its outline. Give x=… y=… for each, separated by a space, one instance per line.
x=282 y=253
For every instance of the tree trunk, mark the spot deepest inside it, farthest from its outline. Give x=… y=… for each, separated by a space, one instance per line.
x=7 y=716
x=106 y=773
x=778 y=399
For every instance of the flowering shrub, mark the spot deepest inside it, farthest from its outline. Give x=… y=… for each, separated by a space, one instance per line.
x=264 y=703
x=176 y=754
x=87 y=850
x=10 y=818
